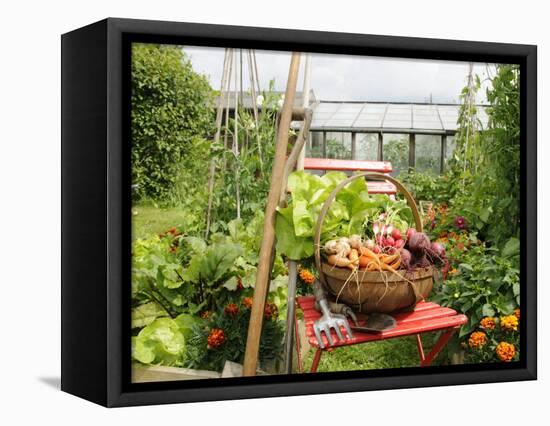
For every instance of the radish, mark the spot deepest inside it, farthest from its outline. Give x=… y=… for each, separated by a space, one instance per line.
x=390 y=241
x=410 y=233
x=396 y=234
x=376 y=249
x=399 y=244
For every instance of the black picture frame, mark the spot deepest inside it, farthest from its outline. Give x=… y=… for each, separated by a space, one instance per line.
x=96 y=209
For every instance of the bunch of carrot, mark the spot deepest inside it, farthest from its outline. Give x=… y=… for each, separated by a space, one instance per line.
x=351 y=253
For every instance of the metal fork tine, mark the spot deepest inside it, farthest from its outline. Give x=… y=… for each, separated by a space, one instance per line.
x=327 y=333
x=318 y=336
x=338 y=332
x=348 y=330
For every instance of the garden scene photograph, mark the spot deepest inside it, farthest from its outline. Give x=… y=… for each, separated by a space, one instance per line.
x=306 y=213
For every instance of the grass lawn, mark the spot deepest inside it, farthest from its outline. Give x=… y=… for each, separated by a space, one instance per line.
x=394 y=353
x=148 y=220
x=402 y=352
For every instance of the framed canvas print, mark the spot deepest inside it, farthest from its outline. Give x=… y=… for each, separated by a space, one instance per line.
x=254 y=212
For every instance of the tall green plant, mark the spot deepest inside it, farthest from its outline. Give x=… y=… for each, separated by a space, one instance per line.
x=486 y=162
x=171 y=111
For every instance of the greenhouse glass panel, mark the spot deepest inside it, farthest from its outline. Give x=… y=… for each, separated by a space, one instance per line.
x=396 y=150
x=314 y=147
x=366 y=146
x=451 y=145
x=428 y=153
x=338 y=145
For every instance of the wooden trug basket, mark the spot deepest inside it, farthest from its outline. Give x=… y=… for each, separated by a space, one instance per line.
x=376 y=291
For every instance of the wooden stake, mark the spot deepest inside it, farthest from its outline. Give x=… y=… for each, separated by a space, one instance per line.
x=268 y=241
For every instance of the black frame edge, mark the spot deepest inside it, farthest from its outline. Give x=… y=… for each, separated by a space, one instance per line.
x=83 y=213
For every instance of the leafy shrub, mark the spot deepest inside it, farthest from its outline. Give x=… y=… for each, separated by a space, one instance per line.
x=482 y=283
x=171 y=108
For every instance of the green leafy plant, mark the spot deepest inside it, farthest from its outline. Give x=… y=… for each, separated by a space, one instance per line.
x=484 y=284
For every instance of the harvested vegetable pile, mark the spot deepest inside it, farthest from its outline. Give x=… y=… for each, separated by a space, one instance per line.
x=387 y=251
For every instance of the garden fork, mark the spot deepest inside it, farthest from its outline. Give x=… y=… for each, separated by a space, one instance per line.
x=328 y=320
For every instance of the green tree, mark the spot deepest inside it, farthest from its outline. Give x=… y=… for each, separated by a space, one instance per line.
x=172 y=107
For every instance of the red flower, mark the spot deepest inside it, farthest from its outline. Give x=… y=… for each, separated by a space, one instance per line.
x=216 y=338
x=271 y=311
x=231 y=310
x=460 y=222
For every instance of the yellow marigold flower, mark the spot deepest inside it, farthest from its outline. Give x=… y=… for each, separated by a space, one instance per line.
x=306 y=276
x=488 y=323
x=509 y=323
x=477 y=339
x=505 y=351
x=516 y=313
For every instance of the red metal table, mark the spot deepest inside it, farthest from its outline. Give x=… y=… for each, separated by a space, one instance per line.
x=426 y=317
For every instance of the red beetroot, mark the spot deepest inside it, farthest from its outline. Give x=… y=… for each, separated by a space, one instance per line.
x=406 y=258
x=419 y=244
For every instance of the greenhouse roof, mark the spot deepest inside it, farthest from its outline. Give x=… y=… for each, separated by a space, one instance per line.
x=389 y=117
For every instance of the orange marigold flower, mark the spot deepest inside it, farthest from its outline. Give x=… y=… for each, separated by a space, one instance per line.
x=247 y=302
x=306 y=276
x=216 y=338
x=505 y=351
x=443 y=209
x=488 y=323
x=477 y=339
x=231 y=310
x=460 y=246
x=509 y=323
x=516 y=313
x=453 y=271
x=205 y=314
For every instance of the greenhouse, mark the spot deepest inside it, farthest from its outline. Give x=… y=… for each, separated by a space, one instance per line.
x=421 y=136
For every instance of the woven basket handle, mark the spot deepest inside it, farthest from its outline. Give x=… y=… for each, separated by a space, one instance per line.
x=332 y=196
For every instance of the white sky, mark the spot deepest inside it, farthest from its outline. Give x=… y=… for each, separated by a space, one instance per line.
x=346 y=77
